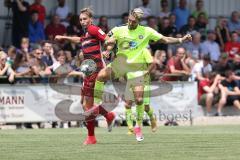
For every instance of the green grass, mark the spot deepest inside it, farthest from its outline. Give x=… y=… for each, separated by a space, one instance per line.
x=169 y=143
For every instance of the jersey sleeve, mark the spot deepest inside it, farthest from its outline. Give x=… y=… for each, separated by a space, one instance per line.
x=96 y=32
x=114 y=33
x=153 y=34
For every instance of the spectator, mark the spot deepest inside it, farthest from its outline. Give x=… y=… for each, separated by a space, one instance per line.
x=36 y=29
x=11 y=54
x=146 y=10
x=25 y=48
x=160 y=58
x=5 y=67
x=48 y=54
x=124 y=18
x=208 y=91
x=20 y=20
x=74 y=27
x=164 y=9
x=37 y=6
x=234 y=23
x=55 y=28
x=166 y=29
x=38 y=66
x=172 y=19
x=230 y=93
x=201 y=25
x=233 y=47
x=190 y=27
x=223 y=35
x=210 y=47
x=21 y=66
x=182 y=14
x=200 y=9
x=76 y=62
x=73 y=48
x=103 y=24
x=223 y=64
x=62 y=10
x=177 y=65
x=194 y=47
x=201 y=68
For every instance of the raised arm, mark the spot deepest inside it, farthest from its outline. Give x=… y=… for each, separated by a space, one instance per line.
x=73 y=39
x=171 y=40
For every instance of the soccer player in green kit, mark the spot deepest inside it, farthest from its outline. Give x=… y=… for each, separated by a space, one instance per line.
x=131 y=61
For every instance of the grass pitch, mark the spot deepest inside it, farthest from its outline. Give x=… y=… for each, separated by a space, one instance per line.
x=168 y=143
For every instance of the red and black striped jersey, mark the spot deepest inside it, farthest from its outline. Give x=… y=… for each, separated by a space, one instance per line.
x=91 y=44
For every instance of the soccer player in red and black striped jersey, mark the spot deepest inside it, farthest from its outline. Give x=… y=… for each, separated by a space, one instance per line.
x=91 y=47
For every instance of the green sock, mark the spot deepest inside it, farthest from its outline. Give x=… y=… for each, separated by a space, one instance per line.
x=129 y=117
x=140 y=113
x=150 y=113
x=98 y=91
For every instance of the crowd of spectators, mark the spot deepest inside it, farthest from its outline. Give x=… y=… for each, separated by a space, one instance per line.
x=212 y=58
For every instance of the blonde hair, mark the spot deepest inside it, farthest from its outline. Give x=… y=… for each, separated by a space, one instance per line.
x=137 y=13
x=88 y=11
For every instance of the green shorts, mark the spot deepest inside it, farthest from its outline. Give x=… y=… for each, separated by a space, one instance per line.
x=203 y=98
x=131 y=83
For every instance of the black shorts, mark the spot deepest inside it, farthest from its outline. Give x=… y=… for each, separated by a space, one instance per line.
x=231 y=99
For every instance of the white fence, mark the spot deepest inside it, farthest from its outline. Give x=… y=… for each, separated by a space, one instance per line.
x=37 y=103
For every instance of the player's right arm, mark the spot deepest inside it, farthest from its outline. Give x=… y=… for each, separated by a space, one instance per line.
x=73 y=39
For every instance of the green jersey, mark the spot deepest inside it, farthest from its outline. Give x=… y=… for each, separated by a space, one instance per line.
x=132 y=46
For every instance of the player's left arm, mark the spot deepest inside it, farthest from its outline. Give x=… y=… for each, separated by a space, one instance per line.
x=172 y=40
x=155 y=36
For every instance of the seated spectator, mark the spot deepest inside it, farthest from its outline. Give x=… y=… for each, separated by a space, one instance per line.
x=234 y=22
x=223 y=35
x=190 y=27
x=11 y=54
x=62 y=11
x=62 y=68
x=39 y=68
x=201 y=24
x=233 y=47
x=210 y=47
x=166 y=28
x=25 y=48
x=36 y=29
x=194 y=48
x=48 y=53
x=164 y=9
x=160 y=58
x=73 y=48
x=74 y=27
x=54 y=28
x=222 y=65
x=37 y=6
x=177 y=65
x=208 y=92
x=200 y=9
x=103 y=24
x=182 y=14
x=230 y=93
x=201 y=68
x=21 y=66
x=5 y=67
